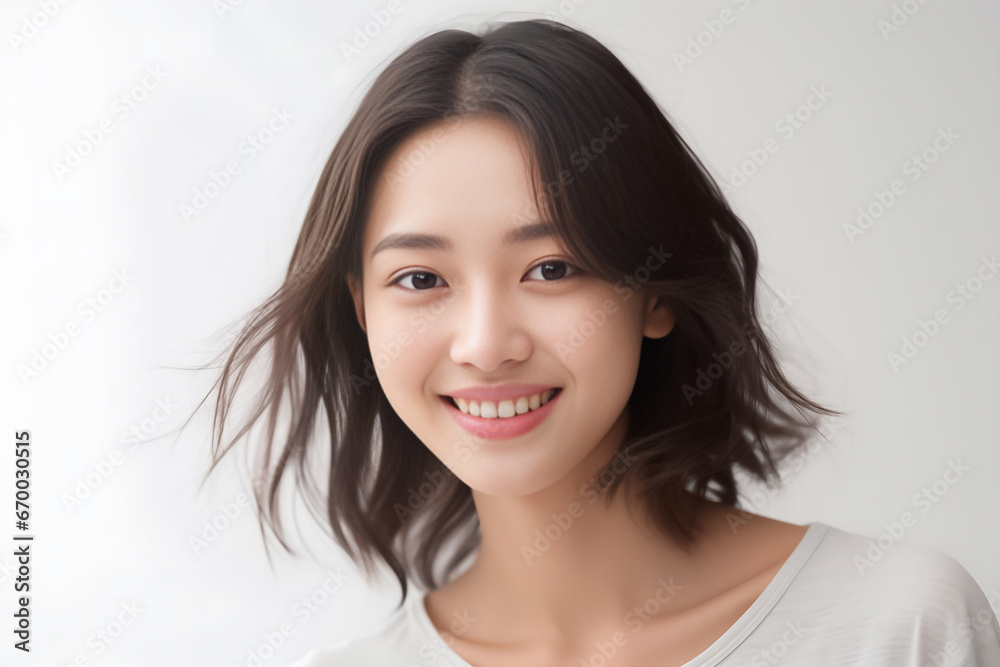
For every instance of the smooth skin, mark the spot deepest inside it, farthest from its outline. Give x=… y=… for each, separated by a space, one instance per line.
x=471 y=310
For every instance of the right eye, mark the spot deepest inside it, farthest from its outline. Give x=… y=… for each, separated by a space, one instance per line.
x=422 y=280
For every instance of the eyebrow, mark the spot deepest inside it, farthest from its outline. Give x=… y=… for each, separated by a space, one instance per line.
x=411 y=241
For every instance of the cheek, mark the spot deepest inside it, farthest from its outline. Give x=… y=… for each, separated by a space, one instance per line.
x=601 y=331
x=400 y=340
x=600 y=349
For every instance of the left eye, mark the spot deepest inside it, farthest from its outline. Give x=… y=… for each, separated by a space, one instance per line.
x=551 y=270
x=554 y=269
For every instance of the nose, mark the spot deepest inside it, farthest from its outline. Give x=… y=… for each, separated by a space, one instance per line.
x=490 y=329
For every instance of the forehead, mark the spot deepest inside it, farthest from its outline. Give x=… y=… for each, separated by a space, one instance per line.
x=456 y=176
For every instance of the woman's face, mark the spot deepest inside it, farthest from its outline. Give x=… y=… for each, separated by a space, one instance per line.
x=464 y=295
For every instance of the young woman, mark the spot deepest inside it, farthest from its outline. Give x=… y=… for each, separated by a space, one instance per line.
x=526 y=318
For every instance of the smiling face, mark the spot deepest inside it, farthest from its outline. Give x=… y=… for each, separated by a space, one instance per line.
x=465 y=295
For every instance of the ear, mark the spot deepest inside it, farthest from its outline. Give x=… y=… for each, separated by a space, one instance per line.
x=359 y=305
x=659 y=318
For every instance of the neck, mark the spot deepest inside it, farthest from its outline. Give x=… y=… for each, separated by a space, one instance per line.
x=560 y=565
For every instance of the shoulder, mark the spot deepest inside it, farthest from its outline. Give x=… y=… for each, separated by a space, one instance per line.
x=901 y=596
x=397 y=640
x=887 y=564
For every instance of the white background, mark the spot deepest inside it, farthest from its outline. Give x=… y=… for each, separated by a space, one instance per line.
x=190 y=282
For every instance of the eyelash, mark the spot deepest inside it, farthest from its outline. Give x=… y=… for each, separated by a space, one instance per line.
x=574 y=270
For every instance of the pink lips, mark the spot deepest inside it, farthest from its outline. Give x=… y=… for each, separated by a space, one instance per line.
x=500 y=428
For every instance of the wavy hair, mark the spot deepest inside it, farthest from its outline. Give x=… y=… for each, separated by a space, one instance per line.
x=710 y=397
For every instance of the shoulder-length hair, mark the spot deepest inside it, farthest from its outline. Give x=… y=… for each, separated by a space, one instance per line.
x=620 y=186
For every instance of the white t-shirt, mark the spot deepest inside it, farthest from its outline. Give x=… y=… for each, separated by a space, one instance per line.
x=840 y=599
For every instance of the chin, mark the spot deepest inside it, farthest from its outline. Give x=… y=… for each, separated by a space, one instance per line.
x=514 y=477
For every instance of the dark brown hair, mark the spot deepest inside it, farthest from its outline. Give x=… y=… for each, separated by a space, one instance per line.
x=709 y=397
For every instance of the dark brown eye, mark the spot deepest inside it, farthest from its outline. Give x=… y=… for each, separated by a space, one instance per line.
x=422 y=280
x=554 y=270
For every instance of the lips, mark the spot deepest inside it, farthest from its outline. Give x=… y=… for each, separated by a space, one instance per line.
x=501 y=428
x=505 y=408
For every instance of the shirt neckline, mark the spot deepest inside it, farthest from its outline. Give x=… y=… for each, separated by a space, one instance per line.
x=719 y=649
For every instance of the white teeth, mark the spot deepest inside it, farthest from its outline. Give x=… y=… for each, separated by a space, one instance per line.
x=506 y=408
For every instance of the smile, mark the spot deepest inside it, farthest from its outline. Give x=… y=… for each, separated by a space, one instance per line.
x=504 y=409
x=504 y=419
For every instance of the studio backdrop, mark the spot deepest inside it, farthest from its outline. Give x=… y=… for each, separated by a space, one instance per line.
x=156 y=162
